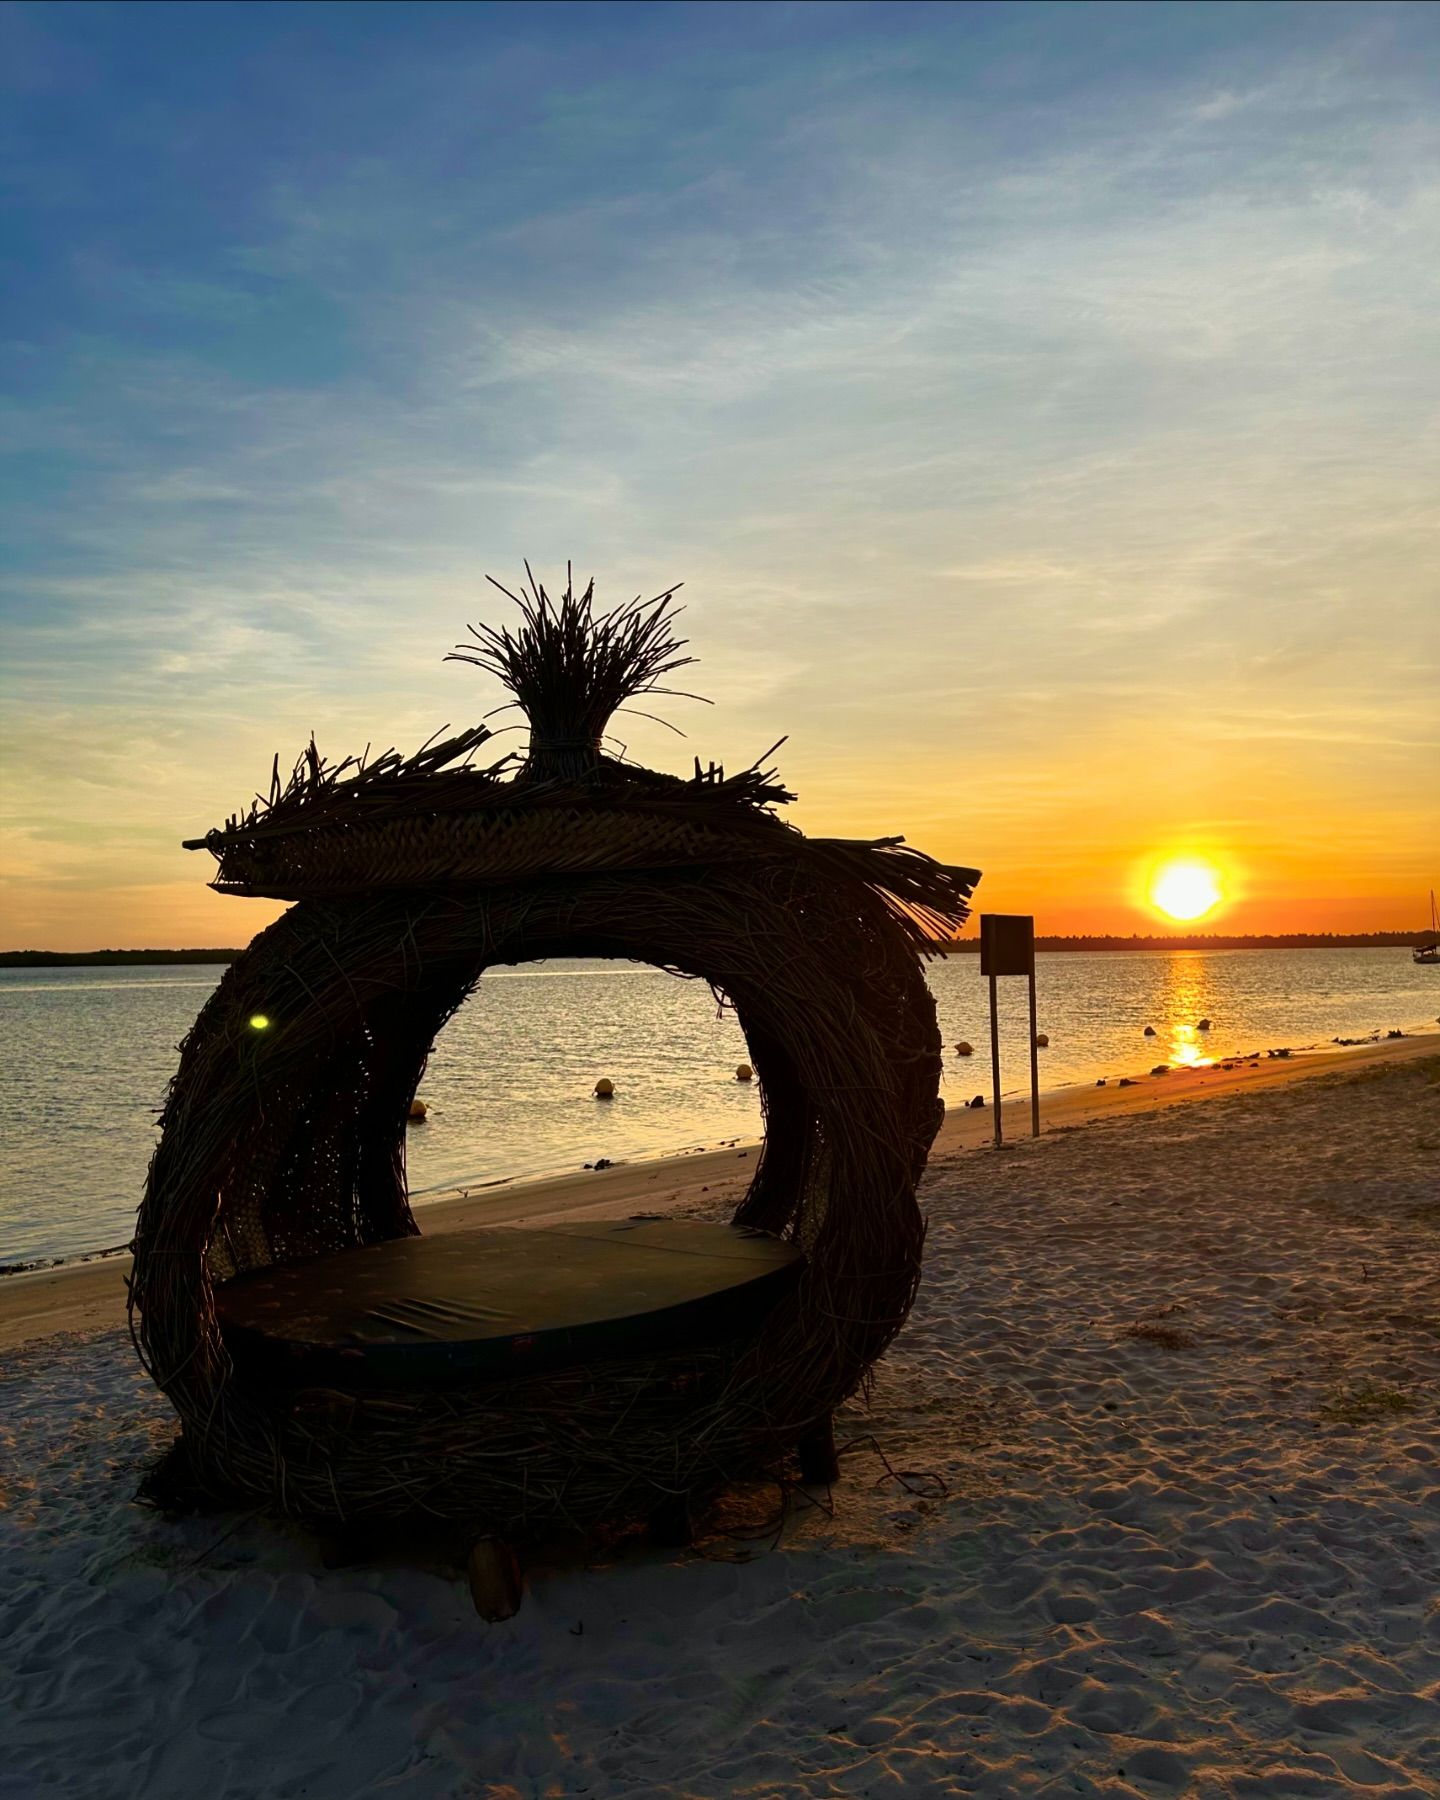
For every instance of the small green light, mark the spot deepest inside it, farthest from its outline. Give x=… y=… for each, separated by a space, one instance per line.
x=259 y=1022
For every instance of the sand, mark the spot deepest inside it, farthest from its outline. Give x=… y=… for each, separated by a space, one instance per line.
x=1147 y=1503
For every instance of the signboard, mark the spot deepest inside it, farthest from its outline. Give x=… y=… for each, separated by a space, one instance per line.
x=1007 y=947
x=1007 y=944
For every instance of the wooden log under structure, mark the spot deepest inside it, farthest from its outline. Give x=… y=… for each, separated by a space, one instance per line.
x=671 y=1526
x=497 y=1584
x=819 y=1465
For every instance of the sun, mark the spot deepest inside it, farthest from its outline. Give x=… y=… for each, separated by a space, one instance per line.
x=1186 y=889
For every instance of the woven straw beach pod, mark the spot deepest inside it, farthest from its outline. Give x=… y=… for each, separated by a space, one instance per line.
x=409 y=879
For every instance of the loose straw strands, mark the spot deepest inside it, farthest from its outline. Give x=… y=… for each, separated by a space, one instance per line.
x=319 y=793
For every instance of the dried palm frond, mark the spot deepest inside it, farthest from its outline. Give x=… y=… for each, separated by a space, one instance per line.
x=571 y=669
x=929 y=899
x=318 y=792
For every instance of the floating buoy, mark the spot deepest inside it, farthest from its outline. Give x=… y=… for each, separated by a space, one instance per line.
x=964 y=1049
x=1149 y=1031
x=418 y=1110
x=604 y=1088
x=1042 y=1040
x=744 y=1073
x=1204 y=1025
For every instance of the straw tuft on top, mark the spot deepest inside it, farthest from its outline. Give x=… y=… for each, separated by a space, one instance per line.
x=571 y=669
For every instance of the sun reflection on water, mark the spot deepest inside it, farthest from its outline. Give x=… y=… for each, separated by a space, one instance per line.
x=1184 y=1005
x=1186 y=1049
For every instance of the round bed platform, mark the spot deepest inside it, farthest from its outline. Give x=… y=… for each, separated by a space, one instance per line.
x=467 y=1307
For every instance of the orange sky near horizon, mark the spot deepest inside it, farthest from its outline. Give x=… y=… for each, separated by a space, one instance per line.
x=1313 y=822
x=1066 y=807
x=187 y=915
x=1079 y=866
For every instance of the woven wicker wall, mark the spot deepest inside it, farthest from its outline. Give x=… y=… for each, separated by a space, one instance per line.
x=286 y=1142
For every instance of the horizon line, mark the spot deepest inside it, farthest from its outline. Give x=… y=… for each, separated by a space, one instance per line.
x=1219 y=940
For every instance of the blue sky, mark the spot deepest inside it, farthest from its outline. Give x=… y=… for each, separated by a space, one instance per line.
x=1039 y=403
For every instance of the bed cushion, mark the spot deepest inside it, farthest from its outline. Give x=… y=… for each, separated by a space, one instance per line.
x=472 y=1306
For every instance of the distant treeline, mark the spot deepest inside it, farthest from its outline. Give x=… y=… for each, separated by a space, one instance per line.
x=64 y=959
x=1288 y=940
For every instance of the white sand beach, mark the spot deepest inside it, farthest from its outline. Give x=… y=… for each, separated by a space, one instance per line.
x=1146 y=1502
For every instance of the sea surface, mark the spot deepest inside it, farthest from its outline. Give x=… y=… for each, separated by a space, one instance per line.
x=85 y=1054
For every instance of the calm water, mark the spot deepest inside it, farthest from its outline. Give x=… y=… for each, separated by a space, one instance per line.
x=85 y=1055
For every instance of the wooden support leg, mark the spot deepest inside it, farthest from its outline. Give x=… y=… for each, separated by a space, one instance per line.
x=671 y=1527
x=819 y=1465
x=496 y=1584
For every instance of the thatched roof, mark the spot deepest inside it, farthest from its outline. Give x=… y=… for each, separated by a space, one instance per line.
x=441 y=819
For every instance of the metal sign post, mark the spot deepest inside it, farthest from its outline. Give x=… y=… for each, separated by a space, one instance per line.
x=1007 y=947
